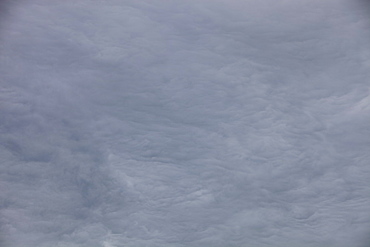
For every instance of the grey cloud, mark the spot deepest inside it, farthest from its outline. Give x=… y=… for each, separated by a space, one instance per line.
x=197 y=123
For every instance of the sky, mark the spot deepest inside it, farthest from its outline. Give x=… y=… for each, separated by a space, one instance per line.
x=197 y=123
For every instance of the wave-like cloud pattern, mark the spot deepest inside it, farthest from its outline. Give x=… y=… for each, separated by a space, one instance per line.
x=185 y=123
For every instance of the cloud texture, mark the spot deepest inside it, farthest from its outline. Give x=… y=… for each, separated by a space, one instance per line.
x=185 y=123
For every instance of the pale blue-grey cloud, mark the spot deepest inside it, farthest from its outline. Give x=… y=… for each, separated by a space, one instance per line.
x=194 y=123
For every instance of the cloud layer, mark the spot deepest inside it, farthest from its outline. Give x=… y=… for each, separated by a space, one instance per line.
x=194 y=123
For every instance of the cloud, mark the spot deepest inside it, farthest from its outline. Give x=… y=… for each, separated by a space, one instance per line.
x=200 y=123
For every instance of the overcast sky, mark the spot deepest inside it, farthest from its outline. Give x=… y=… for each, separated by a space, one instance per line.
x=185 y=123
